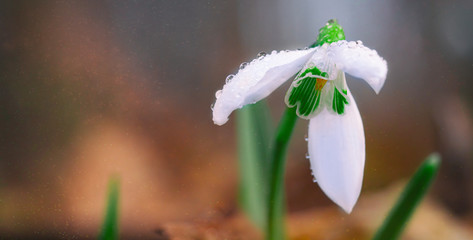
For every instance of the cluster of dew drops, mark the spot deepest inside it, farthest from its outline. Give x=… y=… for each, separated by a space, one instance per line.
x=357 y=44
x=230 y=77
x=307 y=156
x=259 y=56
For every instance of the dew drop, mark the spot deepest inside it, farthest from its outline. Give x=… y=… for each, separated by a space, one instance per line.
x=218 y=93
x=307 y=156
x=313 y=179
x=359 y=42
x=261 y=55
x=306 y=138
x=229 y=78
x=212 y=106
x=243 y=65
x=351 y=44
x=274 y=52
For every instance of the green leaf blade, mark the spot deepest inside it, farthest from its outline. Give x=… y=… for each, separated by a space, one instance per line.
x=110 y=225
x=409 y=199
x=254 y=136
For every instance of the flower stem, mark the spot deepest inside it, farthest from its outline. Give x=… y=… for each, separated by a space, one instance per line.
x=276 y=227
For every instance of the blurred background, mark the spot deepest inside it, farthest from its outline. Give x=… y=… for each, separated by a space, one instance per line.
x=94 y=89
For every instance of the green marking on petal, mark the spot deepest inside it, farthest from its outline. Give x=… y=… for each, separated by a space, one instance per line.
x=305 y=92
x=305 y=96
x=331 y=32
x=339 y=101
x=314 y=71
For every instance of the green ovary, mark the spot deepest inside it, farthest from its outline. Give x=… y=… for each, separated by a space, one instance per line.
x=331 y=32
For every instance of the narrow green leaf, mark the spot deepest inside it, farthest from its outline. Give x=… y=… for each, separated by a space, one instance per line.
x=110 y=225
x=254 y=136
x=409 y=199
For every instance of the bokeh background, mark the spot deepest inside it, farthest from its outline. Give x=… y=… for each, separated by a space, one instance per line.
x=94 y=89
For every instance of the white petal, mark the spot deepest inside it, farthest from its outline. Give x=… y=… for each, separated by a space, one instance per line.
x=359 y=61
x=323 y=62
x=257 y=80
x=337 y=154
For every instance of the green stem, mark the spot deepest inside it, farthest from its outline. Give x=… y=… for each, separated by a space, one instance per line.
x=275 y=227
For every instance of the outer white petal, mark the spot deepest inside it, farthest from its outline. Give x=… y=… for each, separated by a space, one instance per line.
x=359 y=61
x=257 y=80
x=337 y=154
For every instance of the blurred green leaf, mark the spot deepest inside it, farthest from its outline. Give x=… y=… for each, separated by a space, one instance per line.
x=276 y=229
x=110 y=224
x=254 y=137
x=409 y=199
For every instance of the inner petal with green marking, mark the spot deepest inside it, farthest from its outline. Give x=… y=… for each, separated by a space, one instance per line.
x=306 y=92
x=310 y=94
x=340 y=92
x=339 y=101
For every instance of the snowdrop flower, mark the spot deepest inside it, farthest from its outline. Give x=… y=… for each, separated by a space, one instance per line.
x=320 y=94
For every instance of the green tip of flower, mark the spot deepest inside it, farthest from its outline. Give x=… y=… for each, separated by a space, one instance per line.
x=331 y=32
x=433 y=159
x=333 y=20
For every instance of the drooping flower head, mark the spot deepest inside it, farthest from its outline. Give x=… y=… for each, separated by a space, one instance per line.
x=320 y=94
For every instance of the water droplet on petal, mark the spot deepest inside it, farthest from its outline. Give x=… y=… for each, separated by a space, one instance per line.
x=218 y=93
x=313 y=179
x=229 y=78
x=261 y=55
x=212 y=106
x=359 y=42
x=351 y=44
x=243 y=65
x=307 y=156
x=306 y=138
